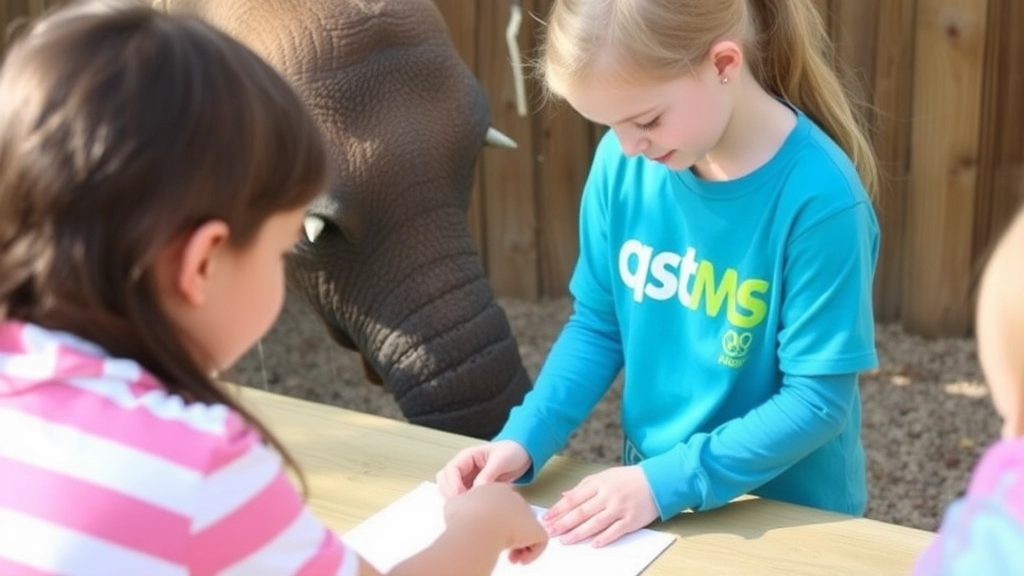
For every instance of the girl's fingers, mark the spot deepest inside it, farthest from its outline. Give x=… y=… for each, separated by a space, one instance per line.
x=570 y=500
x=617 y=530
x=593 y=526
x=457 y=476
x=573 y=518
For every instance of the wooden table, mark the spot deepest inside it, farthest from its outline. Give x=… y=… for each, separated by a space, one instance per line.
x=356 y=464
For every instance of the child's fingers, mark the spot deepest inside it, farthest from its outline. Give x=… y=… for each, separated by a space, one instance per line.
x=617 y=530
x=527 y=554
x=571 y=500
x=487 y=475
x=456 y=477
x=445 y=484
x=571 y=520
x=593 y=524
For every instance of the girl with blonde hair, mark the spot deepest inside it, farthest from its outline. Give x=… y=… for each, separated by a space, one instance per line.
x=727 y=250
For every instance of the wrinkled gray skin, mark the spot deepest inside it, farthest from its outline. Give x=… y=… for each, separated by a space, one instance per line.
x=394 y=273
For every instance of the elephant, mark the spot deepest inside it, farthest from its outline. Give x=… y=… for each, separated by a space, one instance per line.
x=389 y=263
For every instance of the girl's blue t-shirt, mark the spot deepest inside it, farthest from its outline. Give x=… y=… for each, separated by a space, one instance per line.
x=740 y=312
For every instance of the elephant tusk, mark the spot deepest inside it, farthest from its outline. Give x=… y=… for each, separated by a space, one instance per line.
x=497 y=139
x=313 y=226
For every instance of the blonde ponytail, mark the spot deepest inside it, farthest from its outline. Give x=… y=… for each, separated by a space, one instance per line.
x=792 y=58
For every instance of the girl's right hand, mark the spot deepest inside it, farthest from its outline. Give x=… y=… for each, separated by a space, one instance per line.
x=501 y=461
x=480 y=525
x=498 y=508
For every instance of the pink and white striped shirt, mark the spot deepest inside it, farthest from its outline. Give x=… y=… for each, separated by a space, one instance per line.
x=102 y=472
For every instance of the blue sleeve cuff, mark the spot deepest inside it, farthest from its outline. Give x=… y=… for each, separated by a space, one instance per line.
x=676 y=482
x=535 y=437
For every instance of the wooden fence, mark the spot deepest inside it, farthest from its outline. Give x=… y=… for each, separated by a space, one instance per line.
x=942 y=91
x=941 y=87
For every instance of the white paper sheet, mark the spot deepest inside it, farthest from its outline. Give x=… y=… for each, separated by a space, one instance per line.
x=415 y=520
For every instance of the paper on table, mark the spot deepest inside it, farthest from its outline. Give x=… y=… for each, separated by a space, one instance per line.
x=415 y=520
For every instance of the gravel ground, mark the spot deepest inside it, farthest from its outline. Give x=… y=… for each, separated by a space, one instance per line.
x=927 y=415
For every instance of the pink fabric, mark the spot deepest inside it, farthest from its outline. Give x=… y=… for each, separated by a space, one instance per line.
x=259 y=519
x=1004 y=458
x=983 y=532
x=10 y=339
x=51 y=496
x=174 y=440
x=14 y=569
x=327 y=559
x=103 y=471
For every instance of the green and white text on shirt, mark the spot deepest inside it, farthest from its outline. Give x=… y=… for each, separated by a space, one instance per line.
x=666 y=275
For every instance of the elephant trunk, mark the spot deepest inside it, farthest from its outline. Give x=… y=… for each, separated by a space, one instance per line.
x=469 y=395
x=438 y=338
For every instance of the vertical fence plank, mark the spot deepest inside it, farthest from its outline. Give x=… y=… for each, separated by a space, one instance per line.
x=507 y=176
x=1001 y=174
x=856 y=34
x=462 y=17
x=893 y=90
x=943 y=165
x=565 y=148
x=854 y=29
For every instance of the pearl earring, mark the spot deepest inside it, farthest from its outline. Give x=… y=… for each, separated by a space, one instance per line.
x=725 y=79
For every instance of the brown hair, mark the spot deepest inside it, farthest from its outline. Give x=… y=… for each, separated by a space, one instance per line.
x=120 y=129
x=785 y=40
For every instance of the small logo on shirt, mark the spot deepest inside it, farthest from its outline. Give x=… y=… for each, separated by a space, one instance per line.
x=735 y=346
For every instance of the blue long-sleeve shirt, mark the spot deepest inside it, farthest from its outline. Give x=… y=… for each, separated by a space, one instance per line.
x=741 y=314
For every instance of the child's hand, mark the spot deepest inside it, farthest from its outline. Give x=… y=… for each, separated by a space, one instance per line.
x=606 y=505
x=502 y=461
x=498 y=508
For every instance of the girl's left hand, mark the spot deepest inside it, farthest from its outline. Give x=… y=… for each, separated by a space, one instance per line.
x=606 y=505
